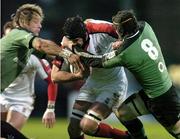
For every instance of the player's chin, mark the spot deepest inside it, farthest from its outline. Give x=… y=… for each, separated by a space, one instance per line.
x=36 y=32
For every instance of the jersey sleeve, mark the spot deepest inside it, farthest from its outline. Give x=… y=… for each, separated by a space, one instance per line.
x=113 y=62
x=24 y=38
x=100 y=26
x=38 y=67
x=52 y=87
x=44 y=70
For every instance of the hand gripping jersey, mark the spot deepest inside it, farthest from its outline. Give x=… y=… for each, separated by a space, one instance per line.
x=141 y=54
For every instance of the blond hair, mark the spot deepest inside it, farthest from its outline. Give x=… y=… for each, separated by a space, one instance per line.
x=25 y=14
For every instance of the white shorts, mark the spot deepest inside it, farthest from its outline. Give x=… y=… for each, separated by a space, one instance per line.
x=23 y=105
x=111 y=94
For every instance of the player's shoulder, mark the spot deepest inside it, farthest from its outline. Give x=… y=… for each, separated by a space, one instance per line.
x=94 y=21
x=100 y=26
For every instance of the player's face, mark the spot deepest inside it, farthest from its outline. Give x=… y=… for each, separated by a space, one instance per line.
x=68 y=43
x=35 y=25
x=78 y=41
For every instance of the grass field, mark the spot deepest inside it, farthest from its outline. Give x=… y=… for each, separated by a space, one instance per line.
x=34 y=129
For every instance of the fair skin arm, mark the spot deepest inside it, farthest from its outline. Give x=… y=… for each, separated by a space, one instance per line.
x=52 y=48
x=62 y=76
x=49 y=116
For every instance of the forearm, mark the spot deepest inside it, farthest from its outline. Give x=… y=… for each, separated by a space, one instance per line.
x=50 y=102
x=63 y=76
x=52 y=91
x=108 y=60
x=50 y=48
x=112 y=59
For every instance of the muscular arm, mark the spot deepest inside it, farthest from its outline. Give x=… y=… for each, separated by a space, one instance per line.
x=47 y=46
x=111 y=60
x=51 y=48
x=108 y=60
x=62 y=76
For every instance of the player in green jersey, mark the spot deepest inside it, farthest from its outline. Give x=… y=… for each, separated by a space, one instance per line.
x=16 y=46
x=139 y=51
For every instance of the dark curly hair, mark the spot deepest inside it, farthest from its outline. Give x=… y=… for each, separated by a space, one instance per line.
x=125 y=22
x=74 y=27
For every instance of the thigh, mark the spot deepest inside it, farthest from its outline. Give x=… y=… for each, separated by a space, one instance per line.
x=166 y=108
x=16 y=119
x=112 y=95
x=81 y=105
x=3 y=111
x=102 y=110
x=79 y=110
x=3 y=116
x=131 y=108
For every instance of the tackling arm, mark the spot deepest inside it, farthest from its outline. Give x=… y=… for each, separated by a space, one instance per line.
x=51 y=48
x=108 y=60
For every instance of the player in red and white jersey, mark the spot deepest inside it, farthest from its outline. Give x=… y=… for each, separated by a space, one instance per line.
x=103 y=90
x=17 y=99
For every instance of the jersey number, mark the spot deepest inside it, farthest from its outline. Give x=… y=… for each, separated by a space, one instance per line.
x=152 y=52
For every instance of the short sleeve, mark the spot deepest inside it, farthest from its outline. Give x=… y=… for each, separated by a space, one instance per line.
x=36 y=64
x=23 y=38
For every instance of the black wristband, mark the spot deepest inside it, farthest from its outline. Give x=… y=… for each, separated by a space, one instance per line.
x=50 y=106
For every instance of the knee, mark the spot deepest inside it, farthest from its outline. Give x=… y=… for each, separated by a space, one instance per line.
x=175 y=130
x=88 y=126
x=123 y=115
x=90 y=121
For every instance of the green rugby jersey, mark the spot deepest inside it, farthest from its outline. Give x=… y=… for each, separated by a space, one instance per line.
x=142 y=55
x=15 y=51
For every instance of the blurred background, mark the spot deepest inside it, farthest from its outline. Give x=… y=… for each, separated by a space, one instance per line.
x=164 y=17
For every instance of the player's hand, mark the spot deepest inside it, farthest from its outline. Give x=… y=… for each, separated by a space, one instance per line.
x=75 y=61
x=49 y=119
x=82 y=73
x=116 y=45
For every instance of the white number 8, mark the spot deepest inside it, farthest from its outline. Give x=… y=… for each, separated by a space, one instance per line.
x=148 y=47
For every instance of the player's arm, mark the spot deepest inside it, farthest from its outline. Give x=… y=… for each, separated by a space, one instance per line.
x=112 y=59
x=108 y=60
x=51 y=48
x=49 y=115
x=63 y=74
